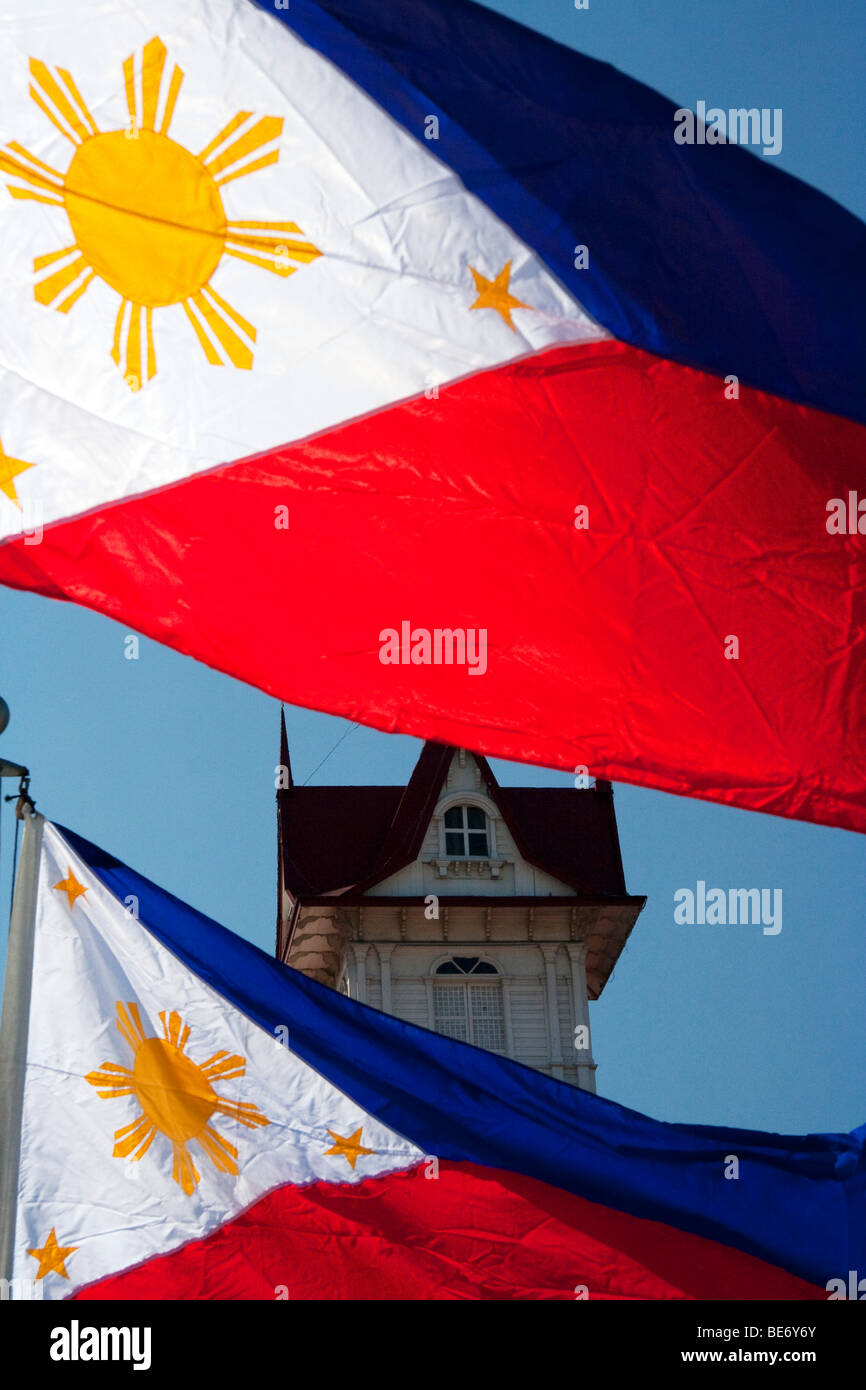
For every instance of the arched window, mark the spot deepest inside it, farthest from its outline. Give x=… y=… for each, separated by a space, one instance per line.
x=466 y=833
x=467 y=1002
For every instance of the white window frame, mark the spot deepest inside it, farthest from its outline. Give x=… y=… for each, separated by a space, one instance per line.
x=462 y=983
x=466 y=830
x=465 y=798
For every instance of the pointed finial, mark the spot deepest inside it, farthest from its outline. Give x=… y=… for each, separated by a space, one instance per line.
x=285 y=760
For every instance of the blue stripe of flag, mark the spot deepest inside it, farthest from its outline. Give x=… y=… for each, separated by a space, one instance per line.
x=709 y=255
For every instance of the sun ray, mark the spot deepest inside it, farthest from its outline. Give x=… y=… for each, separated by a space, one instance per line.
x=153 y=62
x=54 y=93
x=271 y=252
x=130 y=1026
x=118 y=332
x=112 y=1080
x=151 y=352
x=134 y=1140
x=78 y=99
x=184 y=1170
x=271 y=226
x=280 y=246
x=133 y=348
x=218 y=316
x=216 y=319
x=48 y=289
x=266 y=244
x=171 y=100
x=224 y=134
x=40 y=262
x=15 y=166
x=36 y=197
x=52 y=286
x=262 y=163
x=221 y=1153
x=66 y=304
x=132 y=342
x=52 y=116
x=129 y=87
x=224 y=1067
x=49 y=169
x=210 y=351
x=225 y=308
x=243 y=1111
x=266 y=129
x=174 y=1030
x=279 y=266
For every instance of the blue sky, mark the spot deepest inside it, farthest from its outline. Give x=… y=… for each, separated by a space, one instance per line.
x=170 y=765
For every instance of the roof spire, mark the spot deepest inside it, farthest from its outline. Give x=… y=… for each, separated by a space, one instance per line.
x=285 y=760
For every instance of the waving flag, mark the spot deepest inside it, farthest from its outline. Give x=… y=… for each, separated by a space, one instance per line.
x=341 y=339
x=199 y=1121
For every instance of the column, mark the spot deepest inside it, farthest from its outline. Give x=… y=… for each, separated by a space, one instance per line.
x=506 y=1016
x=549 y=954
x=431 y=1012
x=358 y=978
x=586 y=1067
x=385 y=950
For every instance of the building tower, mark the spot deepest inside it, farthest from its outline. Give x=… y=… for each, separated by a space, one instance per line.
x=491 y=914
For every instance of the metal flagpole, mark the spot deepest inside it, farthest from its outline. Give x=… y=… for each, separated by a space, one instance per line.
x=13 y=1034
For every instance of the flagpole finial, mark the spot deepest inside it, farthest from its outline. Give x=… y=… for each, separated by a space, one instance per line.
x=9 y=769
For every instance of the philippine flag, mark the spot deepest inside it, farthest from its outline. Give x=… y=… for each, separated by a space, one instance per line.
x=189 y=1119
x=339 y=320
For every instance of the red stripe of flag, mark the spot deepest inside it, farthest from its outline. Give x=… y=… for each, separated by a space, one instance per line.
x=606 y=646
x=465 y=1233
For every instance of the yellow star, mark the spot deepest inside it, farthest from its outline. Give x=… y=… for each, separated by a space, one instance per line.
x=495 y=294
x=52 y=1257
x=351 y=1149
x=71 y=887
x=9 y=470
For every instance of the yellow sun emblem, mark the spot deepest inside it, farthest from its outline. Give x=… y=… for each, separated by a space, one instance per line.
x=176 y=1096
x=147 y=215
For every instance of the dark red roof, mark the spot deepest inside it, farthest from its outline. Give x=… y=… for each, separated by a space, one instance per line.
x=345 y=840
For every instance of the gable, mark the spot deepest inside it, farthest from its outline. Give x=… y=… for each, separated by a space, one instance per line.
x=354 y=841
x=502 y=871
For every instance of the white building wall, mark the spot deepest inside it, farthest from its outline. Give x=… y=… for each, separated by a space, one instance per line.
x=529 y=1020
x=524 y=987
x=409 y=998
